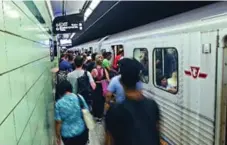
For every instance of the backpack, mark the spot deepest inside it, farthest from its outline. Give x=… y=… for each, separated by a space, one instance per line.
x=61 y=76
x=84 y=87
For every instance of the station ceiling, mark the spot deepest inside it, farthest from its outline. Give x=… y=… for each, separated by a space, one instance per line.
x=66 y=6
x=111 y=17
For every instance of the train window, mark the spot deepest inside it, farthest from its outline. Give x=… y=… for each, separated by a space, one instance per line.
x=141 y=54
x=165 y=69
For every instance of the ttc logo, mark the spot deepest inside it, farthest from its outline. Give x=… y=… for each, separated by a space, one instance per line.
x=195 y=73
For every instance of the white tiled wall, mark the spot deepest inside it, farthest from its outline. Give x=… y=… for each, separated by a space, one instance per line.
x=26 y=91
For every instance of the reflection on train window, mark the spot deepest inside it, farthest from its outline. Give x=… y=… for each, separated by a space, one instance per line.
x=141 y=54
x=165 y=70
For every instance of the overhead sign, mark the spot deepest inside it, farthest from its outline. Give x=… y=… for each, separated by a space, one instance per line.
x=195 y=73
x=68 y=24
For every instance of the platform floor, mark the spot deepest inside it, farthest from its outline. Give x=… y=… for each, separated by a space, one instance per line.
x=96 y=136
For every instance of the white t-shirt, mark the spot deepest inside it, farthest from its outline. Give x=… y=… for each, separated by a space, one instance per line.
x=73 y=76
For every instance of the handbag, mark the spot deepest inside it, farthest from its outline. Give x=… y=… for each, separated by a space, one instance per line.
x=88 y=118
x=104 y=84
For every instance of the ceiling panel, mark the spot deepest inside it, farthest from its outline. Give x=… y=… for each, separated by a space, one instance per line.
x=71 y=7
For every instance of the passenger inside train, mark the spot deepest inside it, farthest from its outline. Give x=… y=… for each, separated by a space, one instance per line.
x=119 y=56
x=166 y=69
x=141 y=55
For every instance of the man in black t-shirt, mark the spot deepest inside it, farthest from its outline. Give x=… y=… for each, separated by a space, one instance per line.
x=91 y=65
x=136 y=120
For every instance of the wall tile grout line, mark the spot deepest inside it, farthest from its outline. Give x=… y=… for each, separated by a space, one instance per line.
x=11 y=33
x=30 y=116
x=25 y=13
x=14 y=124
x=22 y=98
x=1 y=74
x=36 y=129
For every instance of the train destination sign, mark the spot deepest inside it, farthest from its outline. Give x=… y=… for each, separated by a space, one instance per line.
x=68 y=24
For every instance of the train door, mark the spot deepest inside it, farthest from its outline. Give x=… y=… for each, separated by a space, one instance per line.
x=116 y=49
x=91 y=49
x=204 y=75
x=221 y=127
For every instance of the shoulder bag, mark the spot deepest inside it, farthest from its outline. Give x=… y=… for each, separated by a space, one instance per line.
x=88 y=118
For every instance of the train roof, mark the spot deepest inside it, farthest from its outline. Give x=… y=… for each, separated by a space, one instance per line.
x=204 y=13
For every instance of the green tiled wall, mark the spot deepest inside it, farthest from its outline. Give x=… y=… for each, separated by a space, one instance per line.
x=26 y=106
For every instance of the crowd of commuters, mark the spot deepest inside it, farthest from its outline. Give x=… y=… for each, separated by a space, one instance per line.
x=112 y=92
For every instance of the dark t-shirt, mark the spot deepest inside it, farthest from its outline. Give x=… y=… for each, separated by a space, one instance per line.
x=90 y=66
x=134 y=122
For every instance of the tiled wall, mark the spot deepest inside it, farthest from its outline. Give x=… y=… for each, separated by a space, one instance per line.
x=25 y=78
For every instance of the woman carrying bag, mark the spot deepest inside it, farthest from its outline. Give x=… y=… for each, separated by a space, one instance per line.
x=69 y=117
x=101 y=78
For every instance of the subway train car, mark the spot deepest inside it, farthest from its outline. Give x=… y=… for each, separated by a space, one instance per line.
x=185 y=60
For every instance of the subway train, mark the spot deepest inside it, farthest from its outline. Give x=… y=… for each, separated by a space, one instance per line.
x=185 y=61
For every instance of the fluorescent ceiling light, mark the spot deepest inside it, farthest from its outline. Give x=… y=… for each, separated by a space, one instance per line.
x=50 y=9
x=72 y=35
x=32 y=29
x=42 y=36
x=94 y=4
x=87 y=12
x=85 y=18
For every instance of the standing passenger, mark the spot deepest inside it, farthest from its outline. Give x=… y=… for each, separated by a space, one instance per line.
x=115 y=86
x=136 y=120
x=69 y=122
x=106 y=61
x=99 y=74
x=77 y=73
x=117 y=58
x=91 y=64
x=71 y=60
x=62 y=57
x=65 y=65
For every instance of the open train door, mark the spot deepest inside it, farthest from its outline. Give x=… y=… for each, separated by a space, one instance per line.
x=116 y=49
